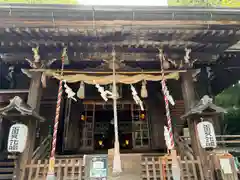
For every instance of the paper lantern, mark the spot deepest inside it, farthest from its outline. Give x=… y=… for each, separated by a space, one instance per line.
x=142 y=116
x=100 y=142
x=83 y=118
x=206 y=135
x=17 y=138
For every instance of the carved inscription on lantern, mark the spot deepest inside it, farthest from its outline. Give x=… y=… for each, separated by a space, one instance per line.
x=206 y=135
x=17 y=138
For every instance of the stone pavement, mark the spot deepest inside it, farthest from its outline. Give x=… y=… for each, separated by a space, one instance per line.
x=131 y=165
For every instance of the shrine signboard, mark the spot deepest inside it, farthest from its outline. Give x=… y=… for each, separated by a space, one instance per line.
x=97 y=167
x=17 y=138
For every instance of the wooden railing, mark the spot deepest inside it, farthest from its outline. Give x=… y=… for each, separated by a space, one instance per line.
x=43 y=149
x=229 y=140
x=65 y=169
x=183 y=147
x=153 y=168
x=161 y=168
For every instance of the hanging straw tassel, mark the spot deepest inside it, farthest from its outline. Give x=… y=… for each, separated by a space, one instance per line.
x=144 y=92
x=81 y=91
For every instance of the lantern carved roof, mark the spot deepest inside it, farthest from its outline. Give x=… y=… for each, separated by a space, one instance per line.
x=206 y=103
x=18 y=105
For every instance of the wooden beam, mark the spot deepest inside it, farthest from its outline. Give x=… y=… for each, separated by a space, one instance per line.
x=102 y=24
x=189 y=101
x=121 y=42
x=14 y=91
x=71 y=36
x=122 y=54
x=100 y=72
x=62 y=31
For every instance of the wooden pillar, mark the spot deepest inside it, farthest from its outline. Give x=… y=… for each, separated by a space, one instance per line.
x=155 y=111
x=189 y=101
x=34 y=97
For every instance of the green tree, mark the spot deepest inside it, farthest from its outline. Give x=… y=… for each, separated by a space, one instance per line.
x=230 y=97
x=230 y=100
x=231 y=123
x=41 y=1
x=204 y=3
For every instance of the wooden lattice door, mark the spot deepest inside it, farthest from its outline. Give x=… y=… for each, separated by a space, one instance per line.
x=87 y=140
x=140 y=135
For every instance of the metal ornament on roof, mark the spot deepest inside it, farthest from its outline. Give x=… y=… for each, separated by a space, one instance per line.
x=17 y=138
x=37 y=63
x=206 y=135
x=167 y=62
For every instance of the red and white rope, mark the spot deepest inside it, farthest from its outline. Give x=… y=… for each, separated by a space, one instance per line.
x=56 y=122
x=169 y=120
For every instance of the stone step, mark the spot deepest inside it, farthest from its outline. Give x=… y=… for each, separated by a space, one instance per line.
x=6 y=169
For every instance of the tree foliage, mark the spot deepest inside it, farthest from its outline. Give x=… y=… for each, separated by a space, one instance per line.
x=230 y=99
x=231 y=121
x=205 y=3
x=40 y=1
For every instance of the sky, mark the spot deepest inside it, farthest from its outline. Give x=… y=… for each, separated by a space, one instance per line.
x=125 y=2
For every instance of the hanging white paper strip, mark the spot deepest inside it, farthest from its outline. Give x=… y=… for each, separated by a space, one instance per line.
x=136 y=98
x=69 y=92
x=167 y=138
x=226 y=165
x=206 y=135
x=17 y=138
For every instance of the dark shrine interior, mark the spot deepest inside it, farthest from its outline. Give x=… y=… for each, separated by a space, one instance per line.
x=104 y=139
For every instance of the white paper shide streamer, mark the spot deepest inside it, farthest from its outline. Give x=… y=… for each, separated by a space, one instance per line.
x=169 y=145
x=105 y=94
x=136 y=98
x=69 y=92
